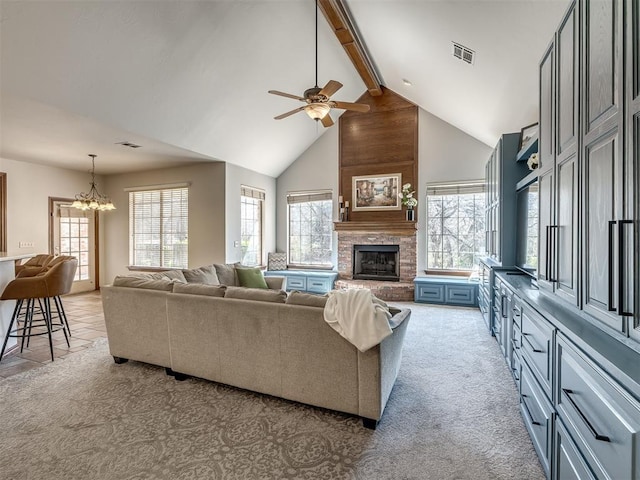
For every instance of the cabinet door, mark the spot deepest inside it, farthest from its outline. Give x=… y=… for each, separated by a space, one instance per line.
x=565 y=231
x=546 y=144
x=633 y=136
x=603 y=166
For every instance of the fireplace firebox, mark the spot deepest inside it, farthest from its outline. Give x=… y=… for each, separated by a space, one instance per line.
x=376 y=262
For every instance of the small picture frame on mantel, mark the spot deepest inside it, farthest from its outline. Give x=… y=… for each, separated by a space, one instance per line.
x=528 y=135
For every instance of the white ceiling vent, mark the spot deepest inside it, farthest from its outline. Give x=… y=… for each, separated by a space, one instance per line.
x=463 y=53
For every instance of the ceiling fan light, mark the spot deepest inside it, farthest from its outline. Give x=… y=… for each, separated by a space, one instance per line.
x=317 y=111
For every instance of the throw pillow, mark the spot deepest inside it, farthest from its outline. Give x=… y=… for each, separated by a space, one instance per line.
x=200 y=289
x=307 y=299
x=206 y=275
x=258 y=294
x=276 y=261
x=226 y=273
x=251 y=277
x=141 y=282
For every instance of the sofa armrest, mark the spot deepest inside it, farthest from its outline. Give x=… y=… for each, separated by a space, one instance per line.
x=276 y=283
x=399 y=316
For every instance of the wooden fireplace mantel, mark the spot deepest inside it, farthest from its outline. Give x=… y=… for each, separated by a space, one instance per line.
x=390 y=228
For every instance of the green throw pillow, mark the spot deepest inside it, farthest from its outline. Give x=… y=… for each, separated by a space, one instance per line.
x=251 y=277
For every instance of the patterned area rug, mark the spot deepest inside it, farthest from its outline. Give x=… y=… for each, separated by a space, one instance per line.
x=453 y=414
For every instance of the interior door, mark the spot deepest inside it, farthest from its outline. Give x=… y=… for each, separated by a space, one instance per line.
x=74 y=233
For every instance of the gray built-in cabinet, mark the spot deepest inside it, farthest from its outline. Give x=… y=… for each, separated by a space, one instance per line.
x=586 y=179
x=575 y=333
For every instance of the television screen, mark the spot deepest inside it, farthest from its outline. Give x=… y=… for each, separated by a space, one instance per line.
x=527 y=229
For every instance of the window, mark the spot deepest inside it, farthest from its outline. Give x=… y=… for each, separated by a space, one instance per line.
x=158 y=225
x=455 y=225
x=74 y=238
x=310 y=228
x=251 y=201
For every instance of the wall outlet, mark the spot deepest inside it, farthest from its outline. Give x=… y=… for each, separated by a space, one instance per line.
x=236 y=243
x=26 y=244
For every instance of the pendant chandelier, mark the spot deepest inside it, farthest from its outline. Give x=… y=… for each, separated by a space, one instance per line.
x=93 y=200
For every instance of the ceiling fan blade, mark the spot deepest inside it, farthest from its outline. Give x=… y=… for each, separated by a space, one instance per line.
x=285 y=115
x=330 y=88
x=327 y=121
x=288 y=95
x=356 y=107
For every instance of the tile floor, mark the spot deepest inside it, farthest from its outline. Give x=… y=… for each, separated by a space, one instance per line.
x=86 y=320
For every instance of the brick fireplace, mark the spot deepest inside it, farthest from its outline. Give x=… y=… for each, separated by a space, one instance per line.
x=401 y=234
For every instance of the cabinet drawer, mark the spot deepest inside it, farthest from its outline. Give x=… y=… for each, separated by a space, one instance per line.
x=602 y=418
x=459 y=294
x=537 y=413
x=569 y=463
x=430 y=293
x=296 y=283
x=318 y=285
x=537 y=347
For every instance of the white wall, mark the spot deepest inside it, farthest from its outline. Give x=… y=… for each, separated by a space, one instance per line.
x=315 y=169
x=445 y=154
x=29 y=186
x=235 y=177
x=206 y=214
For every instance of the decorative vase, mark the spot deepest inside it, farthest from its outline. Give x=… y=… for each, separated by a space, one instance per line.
x=411 y=215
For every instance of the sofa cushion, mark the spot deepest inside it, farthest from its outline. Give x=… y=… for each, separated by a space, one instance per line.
x=307 y=299
x=227 y=273
x=132 y=281
x=251 y=277
x=199 y=289
x=206 y=274
x=258 y=294
x=175 y=275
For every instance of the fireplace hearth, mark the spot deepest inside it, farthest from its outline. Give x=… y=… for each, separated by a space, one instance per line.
x=376 y=262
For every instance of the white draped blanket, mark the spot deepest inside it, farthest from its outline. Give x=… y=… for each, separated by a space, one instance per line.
x=358 y=316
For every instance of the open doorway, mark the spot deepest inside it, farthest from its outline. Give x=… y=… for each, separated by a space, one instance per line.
x=75 y=232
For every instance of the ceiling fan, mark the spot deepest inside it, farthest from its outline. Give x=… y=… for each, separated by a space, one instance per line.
x=318 y=100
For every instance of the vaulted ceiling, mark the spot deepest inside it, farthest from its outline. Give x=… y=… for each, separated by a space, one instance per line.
x=188 y=81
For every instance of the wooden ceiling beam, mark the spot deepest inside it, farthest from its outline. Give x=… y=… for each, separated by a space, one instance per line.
x=337 y=15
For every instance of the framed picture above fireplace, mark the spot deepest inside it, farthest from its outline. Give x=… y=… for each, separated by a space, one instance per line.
x=376 y=192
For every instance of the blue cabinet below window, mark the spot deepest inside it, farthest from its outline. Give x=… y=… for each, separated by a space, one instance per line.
x=446 y=291
x=306 y=281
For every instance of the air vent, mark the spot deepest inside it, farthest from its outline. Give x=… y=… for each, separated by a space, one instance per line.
x=128 y=144
x=463 y=53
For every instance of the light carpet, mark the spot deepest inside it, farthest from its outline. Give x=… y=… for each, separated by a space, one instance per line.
x=453 y=414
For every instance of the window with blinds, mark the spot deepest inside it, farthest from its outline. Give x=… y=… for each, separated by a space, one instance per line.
x=310 y=228
x=158 y=225
x=251 y=224
x=455 y=225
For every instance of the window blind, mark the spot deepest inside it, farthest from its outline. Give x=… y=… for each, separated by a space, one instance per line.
x=455 y=188
x=252 y=192
x=303 y=197
x=158 y=225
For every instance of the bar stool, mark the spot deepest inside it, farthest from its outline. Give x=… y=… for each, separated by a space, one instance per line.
x=34 y=264
x=54 y=281
x=64 y=288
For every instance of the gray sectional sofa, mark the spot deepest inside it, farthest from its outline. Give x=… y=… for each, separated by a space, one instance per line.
x=261 y=340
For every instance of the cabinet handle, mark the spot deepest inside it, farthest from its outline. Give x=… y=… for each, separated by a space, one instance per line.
x=568 y=392
x=526 y=408
x=610 y=306
x=515 y=374
x=621 y=267
x=526 y=337
x=502 y=303
x=515 y=344
x=553 y=270
x=548 y=249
